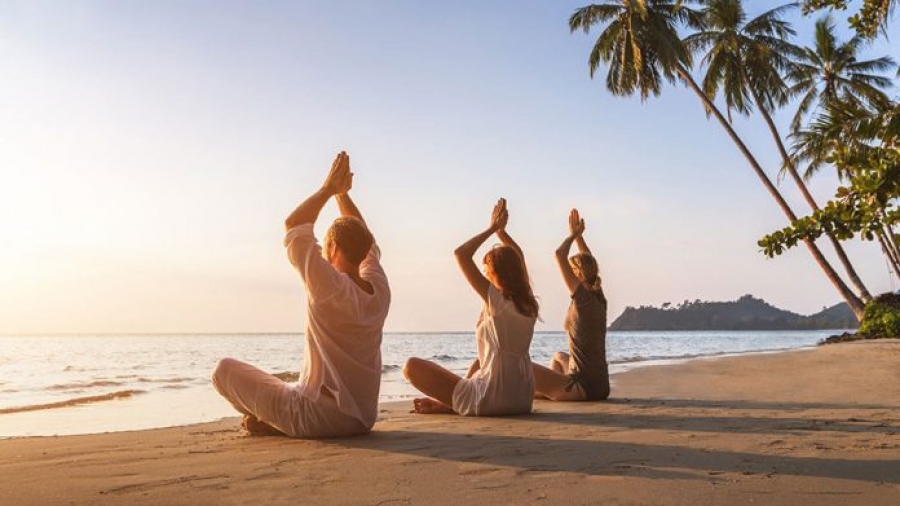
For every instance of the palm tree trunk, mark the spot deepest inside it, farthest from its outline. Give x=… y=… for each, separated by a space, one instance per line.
x=887 y=237
x=891 y=255
x=854 y=302
x=792 y=170
x=891 y=238
x=890 y=244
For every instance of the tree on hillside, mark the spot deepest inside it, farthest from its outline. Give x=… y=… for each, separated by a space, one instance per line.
x=643 y=50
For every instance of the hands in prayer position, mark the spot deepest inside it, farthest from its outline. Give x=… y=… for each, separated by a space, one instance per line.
x=339 y=179
x=576 y=224
x=499 y=216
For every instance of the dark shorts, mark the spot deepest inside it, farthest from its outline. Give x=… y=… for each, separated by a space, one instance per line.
x=595 y=389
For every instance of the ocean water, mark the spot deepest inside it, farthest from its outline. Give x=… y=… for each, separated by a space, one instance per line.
x=61 y=385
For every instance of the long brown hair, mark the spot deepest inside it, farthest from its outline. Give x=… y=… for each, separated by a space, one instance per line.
x=512 y=276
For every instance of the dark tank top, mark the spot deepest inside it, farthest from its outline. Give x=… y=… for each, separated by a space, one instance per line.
x=586 y=327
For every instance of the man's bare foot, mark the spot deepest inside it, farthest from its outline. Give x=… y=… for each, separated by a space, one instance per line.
x=256 y=427
x=429 y=406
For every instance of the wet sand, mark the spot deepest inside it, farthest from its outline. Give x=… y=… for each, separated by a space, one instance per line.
x=818 y=426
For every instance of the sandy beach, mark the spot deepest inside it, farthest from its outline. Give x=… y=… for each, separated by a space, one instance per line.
x=815 y=426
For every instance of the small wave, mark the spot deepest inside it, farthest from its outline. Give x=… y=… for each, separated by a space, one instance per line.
x=175 y=387
x=287 y=376
x=164 y=380
x=389 y=368
x=73 y=402
x=691 y=356
x=92 y=384
x=653 y=358
x=628 y=360
x=444 y=358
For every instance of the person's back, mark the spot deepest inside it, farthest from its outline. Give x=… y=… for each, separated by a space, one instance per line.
x=586 y=327
x=583 y=373
x=347 y=303
x=344 y=328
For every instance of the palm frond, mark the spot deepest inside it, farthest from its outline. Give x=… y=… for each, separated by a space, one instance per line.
x=589 y=16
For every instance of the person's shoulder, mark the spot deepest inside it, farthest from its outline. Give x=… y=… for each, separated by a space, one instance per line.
x=302 y=233
x=581 y=293
x=495 y=300
x=495 y=296
x=584 y=295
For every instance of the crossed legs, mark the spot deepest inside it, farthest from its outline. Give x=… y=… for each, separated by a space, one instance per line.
x=435 y=382
x=551 y=383
x=254 y=393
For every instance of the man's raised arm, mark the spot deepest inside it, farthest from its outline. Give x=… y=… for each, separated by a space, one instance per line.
x=348 y=207
x=338 y=181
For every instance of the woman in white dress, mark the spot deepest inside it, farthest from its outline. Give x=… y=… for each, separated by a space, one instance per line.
x=501 y=381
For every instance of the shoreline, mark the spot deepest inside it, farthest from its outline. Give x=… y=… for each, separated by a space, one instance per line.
x=147 y=409
x=817 y=426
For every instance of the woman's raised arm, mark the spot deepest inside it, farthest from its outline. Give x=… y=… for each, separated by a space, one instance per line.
x=466 y=251
x=576 y=229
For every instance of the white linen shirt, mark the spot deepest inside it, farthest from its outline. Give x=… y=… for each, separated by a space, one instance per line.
x=344 y=327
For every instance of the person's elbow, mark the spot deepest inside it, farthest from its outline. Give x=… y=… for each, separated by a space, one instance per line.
x=295 y=221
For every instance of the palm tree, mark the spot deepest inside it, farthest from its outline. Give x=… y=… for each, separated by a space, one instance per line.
x=642 y=49
x=640 y=45
x=847 y=125
x=829 y=71
x=744 y=60
x=848 y=129
x=849 y=95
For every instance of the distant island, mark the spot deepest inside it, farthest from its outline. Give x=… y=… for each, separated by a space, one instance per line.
x=746 y=313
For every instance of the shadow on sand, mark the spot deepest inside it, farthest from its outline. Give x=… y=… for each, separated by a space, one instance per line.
x=594 y=456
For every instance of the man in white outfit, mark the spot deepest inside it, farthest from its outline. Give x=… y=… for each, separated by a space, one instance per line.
x=348 y=298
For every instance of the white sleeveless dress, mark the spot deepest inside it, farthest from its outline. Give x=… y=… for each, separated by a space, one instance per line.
x=504 y=385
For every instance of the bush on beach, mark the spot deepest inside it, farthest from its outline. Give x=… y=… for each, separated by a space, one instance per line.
x=881 y=320
x=882 y=317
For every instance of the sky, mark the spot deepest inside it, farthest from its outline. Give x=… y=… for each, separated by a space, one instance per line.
x=150 y=151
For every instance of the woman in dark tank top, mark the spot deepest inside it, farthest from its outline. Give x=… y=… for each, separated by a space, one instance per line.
x=582 y=374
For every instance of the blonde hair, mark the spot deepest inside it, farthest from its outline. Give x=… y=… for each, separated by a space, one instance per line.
x=586 y=270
